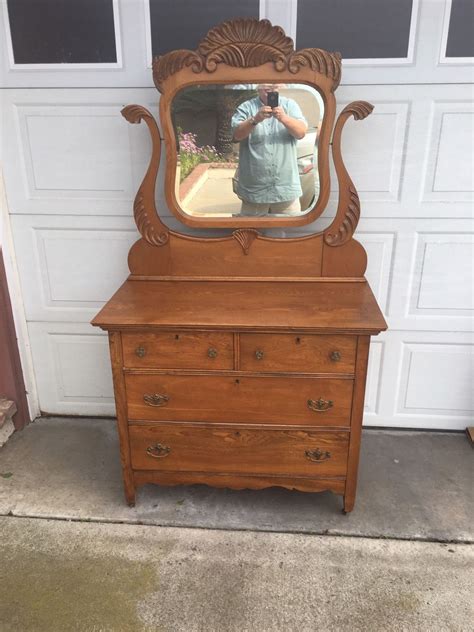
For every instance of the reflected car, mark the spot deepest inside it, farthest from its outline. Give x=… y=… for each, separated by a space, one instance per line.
x=307 y=155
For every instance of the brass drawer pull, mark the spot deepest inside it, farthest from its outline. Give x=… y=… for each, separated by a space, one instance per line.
x=335 y=356
x=259 y=354
x=320 y=405
x=158 y=451
x=140 y=351
x=317 y=455
x=211 y=352
x=156 y=399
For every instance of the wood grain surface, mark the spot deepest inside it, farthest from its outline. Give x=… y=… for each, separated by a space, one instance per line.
x=240 y=481
x=178 y=350
x=297 y=353
x=323 y=307
x=250 y=399
x=116 y=358
x=356 y=422
x=228 y=450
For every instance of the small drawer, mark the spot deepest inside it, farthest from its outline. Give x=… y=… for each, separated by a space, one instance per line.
x=178 y=350
x=224 y=449
x=297 y=353
x=248 y=399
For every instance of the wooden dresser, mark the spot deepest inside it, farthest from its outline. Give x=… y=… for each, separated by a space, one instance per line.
x=240 y=360
x=241 y=384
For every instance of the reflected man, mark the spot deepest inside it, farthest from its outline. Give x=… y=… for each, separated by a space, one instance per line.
x=268 y=179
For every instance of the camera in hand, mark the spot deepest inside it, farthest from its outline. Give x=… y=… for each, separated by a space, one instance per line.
x=272 y=99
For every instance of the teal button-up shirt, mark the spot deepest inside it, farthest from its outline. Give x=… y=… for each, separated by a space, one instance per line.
x=268 y=168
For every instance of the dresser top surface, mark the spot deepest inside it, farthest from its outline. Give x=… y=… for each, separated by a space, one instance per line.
x=240 y=305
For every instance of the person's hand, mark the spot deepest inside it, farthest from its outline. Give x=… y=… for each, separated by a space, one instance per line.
x=279 y=113
x=265 y=112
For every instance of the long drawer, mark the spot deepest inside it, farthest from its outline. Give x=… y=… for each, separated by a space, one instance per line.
x=248 y=399
x=178 y=350
x=295 y=353
x=198 y=448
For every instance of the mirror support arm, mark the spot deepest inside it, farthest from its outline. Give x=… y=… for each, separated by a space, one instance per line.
x=144 y=209
x=348 y=208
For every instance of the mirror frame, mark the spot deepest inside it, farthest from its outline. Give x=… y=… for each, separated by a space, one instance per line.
x=225 y=56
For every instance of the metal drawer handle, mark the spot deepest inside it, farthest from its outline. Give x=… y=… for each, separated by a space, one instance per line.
x=259 y=354
x=317 y=455
x=320 y=405
x=156 y=399
x=335 y=356
x=211 y=352
x=158 y=451
x=140 y=351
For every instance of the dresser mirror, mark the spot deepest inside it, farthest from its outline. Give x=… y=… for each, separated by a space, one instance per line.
x=269 y=170
x=247 y=128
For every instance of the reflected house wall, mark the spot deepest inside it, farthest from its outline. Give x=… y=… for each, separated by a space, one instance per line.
x=197 y=115
x=207 y=112
x=204 y=126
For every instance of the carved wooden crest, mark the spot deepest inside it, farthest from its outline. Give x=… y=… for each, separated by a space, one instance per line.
x=247 y=43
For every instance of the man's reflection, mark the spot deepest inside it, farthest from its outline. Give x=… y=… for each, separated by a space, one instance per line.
x=267 y=128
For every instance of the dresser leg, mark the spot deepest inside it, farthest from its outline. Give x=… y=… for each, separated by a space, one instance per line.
x=129 y=487
x=116 y=355
x=130 y=494
x=362 y=357
x=349 y=502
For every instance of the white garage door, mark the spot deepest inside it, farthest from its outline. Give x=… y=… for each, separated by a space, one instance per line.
x=72 y=166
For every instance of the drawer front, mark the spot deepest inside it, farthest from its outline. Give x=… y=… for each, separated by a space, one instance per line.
x=177 y=350
x=297 y=353
x=188 y=448
x=252 y=399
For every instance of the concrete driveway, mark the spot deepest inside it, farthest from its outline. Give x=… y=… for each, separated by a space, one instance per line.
x=60 y=576
x=74 y=557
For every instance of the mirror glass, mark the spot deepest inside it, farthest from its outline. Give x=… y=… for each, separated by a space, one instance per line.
x=247 y=150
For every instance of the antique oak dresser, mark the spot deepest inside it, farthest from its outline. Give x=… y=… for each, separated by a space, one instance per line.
x=239 y=359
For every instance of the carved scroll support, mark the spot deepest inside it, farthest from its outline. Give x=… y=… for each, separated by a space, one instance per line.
x=348 y=208
x=144 y=209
